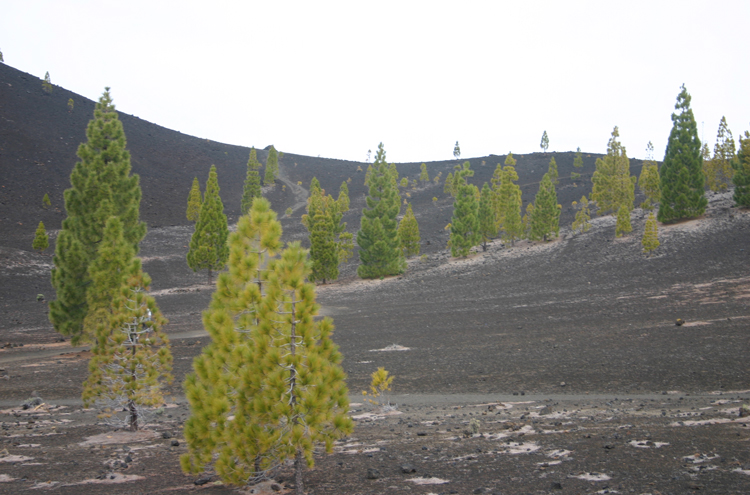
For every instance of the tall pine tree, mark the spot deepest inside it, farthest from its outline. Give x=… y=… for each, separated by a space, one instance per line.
x=272 y=167
x=545 y=219
x=613 y=184
x=741 y=176
x=380 y=251
x=681 y=172
x=465 y=221
x=101 y=177
x=577 y=164
x=486 y=213
x=208 y=246
x=650 y=239
x=251 y=189
x=718 y=170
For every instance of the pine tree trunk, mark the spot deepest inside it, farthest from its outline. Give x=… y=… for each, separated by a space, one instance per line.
x=133 y=415
x=298 y=467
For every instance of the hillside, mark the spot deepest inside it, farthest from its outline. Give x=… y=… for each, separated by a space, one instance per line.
x=566 y=352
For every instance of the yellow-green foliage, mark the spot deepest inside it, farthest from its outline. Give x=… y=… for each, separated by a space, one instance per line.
x=41 y=238
x=46 y=203
x=612 y=184
x=130 y=358
x=718 y=170
x=379 y=387
x=583 y=217
x=650 y=239
x=649 y=182
x=423 y=175
x=269 y=386
x=71 y=104
x=47 y=83
x=623 y=222
x=194 y=201
x=408 y=231
x=404 y=182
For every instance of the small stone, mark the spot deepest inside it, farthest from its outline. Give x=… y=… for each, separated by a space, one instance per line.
x=679 y=322
x=166 y=435
x=373 y=474
x=202 y=481
x=562 y=384
x=275 y=487
x=556 y=485
x=408 y=468
x=175 y=443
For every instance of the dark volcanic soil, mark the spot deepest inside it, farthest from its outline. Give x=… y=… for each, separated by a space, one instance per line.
x=566 y=353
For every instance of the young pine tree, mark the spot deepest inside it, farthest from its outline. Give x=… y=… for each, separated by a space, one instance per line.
x=448 y=186
x=552 y=171
x=741 y=176
x=648 y=182
x=486 y=212
x=130 y=359
x=718 y=170
x=208 y=246
x=194 y=201
x=650 y=239
x=41 y=239
x=47 y=83
x=526 y=220
x=271 y=365
x=465 y=221
x=583 y=217
x=613 y=185
x=251 y=189
x=545 y=142
x=577 y=164
x=272 y=167
x=457 y=151
x=46 y=203
x=681 y=172
x=380 y=251
x=423 y=175
x=408 y=231
x=545 y=221
x=623 y=222
x=512 y=224
x=323 y=248
x=102 y=176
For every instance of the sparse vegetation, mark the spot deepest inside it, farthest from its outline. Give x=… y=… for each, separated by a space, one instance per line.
x=41 y=239
x=251 y=188
x=71 y=104
x=47 y=83
x=544 y=144
x=46 y=203
x=208 y=246
x=194 y=201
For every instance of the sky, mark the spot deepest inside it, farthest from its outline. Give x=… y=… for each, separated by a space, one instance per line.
x=334 y=79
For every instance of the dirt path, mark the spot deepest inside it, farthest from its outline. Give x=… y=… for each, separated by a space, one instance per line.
x=300 y=193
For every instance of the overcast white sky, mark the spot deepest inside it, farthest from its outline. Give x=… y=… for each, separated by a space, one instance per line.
x=336 y=78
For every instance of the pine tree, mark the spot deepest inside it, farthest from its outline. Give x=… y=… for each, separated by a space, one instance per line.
x=271 y=364
x=681 y=172
x=457 y=151
x=486 y=213
x=504 y=189
x=512 y=224
x=1 y=57
x=208 y=246
x=465 y=221
x=101 y=186
x=329 y=241
x=272 y=167
x=545 y=220
x=526 y=220
x=613 y=185
x=545 y=142
x=552 y=171
x=448 y=186
x=408 y=231
x=41 y=239
x=194 y=201
x=423 y=175
x=718 y=170
x=323 y=249
x=251 y=189
x=380 y=251
x=71 y=104
x=583 y=217
x=623 y=222
x=650 y=239
x=578 y=164
x=368 y=174
x=741 y=176
x=131 y=358
x=46 y=203
x=648 y=182
x=47 y=83
x=393 y=171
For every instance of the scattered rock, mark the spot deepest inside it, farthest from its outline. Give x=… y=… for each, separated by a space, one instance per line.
x=166 y=435
x=202 y=480
x=373 y=474
x=175 y=443
x=408 y=468
x=556 y=485
x=679 y=322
